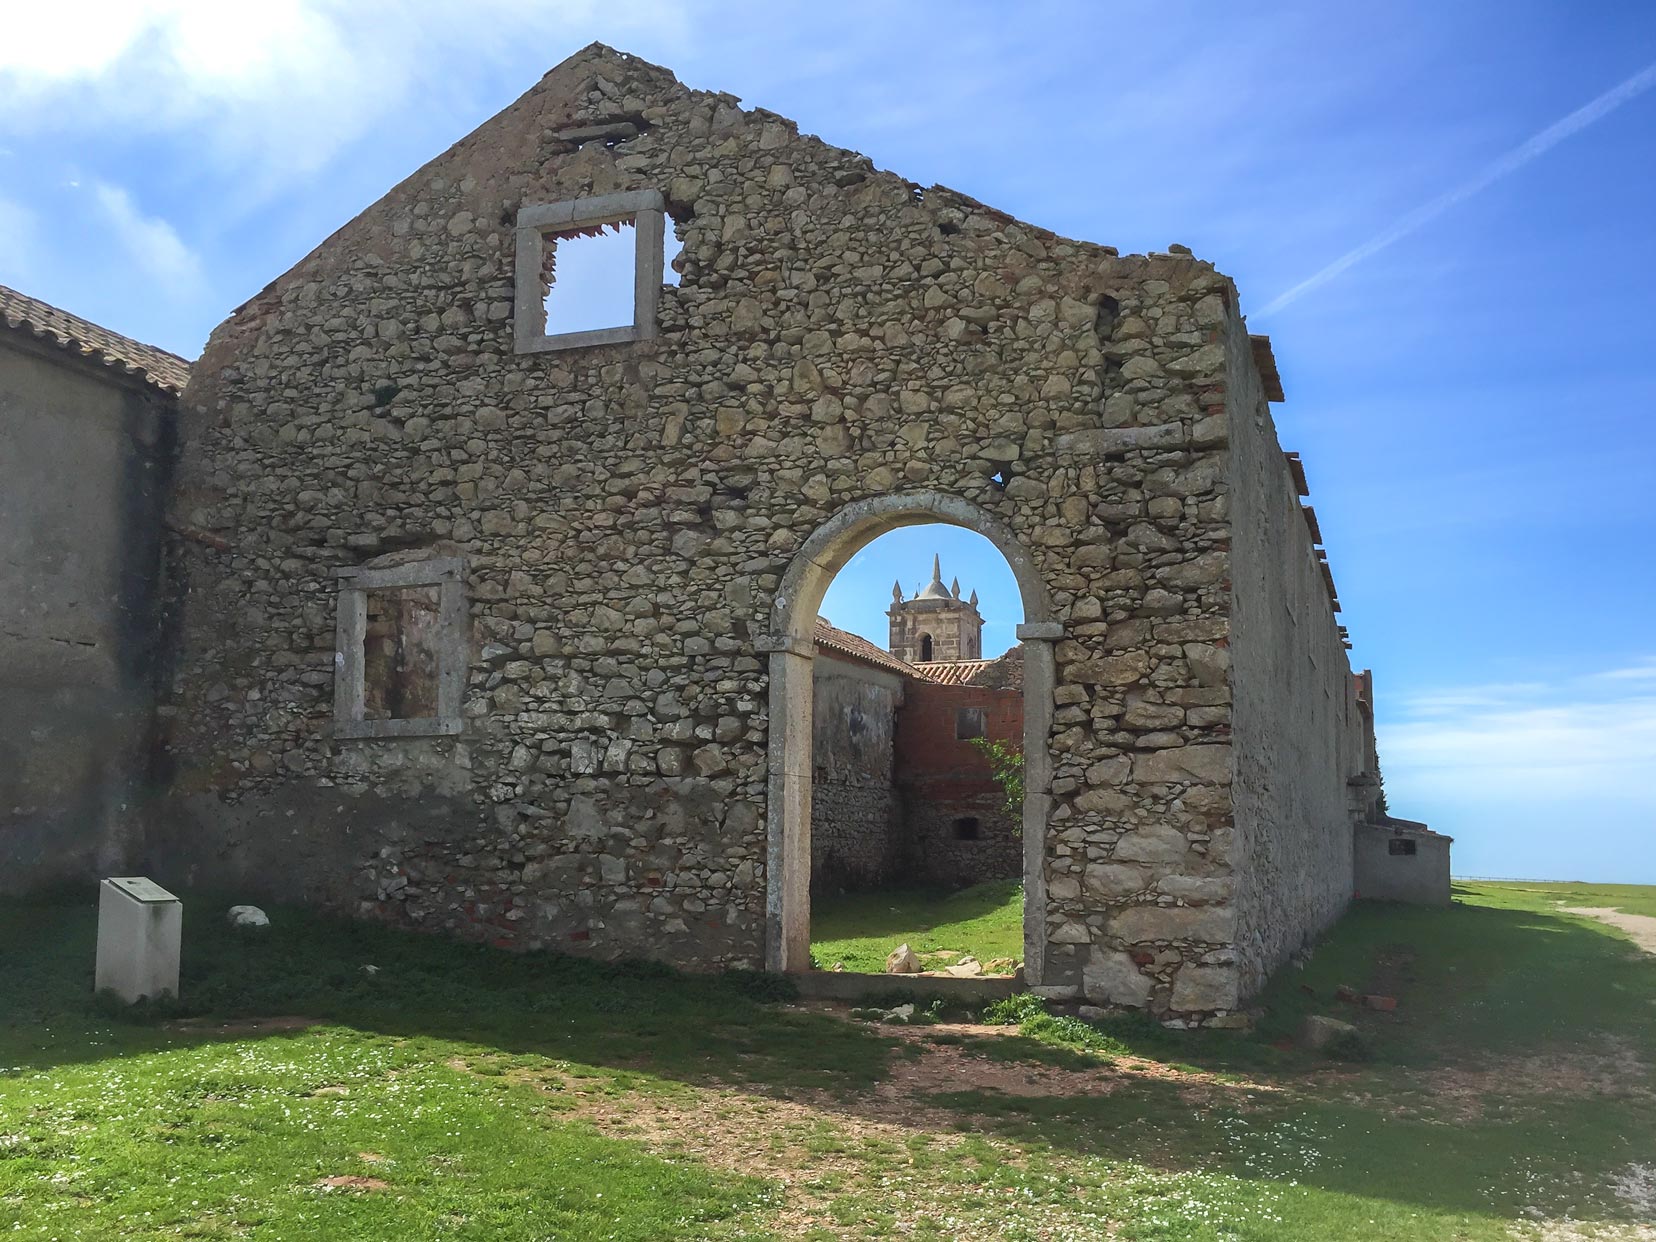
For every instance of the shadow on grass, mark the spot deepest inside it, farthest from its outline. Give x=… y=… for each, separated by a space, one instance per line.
x=629 y=1015
x=1475 y=982
x=1480 y=984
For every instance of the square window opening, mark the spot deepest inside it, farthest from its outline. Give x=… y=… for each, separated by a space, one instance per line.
x=968 y=723
x=401 y=650
x=967 y=828
x=589 y=271
x=1400 y=847
x=588 y=277
x=400 y=653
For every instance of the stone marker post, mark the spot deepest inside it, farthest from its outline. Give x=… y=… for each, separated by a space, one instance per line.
x=139 y=927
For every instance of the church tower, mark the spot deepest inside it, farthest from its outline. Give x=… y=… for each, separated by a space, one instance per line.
x=936 y=625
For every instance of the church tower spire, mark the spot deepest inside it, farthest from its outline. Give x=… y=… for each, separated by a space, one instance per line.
x=937 y=625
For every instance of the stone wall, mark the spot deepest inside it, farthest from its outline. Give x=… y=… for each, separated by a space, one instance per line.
x=626 y=514
x=854 y=812
x=83 y=459
x=937 y=854
x=945 y=779
x=1299 y=737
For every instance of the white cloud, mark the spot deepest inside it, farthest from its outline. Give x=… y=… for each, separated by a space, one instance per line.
x=152 y=244
x=277 y=89
x=1508 y=164
x=1586 y=737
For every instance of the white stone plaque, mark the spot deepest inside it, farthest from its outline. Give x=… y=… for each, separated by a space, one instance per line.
x=140 y=925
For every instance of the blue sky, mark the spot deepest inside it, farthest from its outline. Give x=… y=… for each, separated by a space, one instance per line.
x=1475 y=398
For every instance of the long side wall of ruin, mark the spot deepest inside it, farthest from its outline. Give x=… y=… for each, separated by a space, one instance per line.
x=1298 y=735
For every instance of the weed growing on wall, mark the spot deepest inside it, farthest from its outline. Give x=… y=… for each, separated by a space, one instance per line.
x=1006 y=764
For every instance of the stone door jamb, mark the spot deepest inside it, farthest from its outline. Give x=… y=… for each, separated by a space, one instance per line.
x=791 y=647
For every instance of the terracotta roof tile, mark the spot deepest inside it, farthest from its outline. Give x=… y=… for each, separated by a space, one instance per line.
x=1005 y=671
x=843 y=642
x=83 y=338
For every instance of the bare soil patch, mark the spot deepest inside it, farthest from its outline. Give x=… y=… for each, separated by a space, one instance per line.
x=1641 y=927
x=352 y=1181
x=1611 y=1070
x=242 y=1026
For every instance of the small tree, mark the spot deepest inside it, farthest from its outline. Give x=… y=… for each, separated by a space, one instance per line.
x=1006 y=765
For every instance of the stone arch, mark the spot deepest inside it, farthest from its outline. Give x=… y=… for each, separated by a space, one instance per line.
x=925 y=648
x=792 y=646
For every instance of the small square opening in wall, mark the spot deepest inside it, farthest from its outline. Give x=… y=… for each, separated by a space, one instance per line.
x=589 y=271
x=401 y=650
x=1400 y=847
x=967 y=828
x=968 y=723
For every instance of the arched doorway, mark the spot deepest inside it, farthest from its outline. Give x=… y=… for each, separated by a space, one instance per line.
x=792 y=647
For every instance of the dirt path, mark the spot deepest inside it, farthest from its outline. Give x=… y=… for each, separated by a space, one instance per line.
x=1642 y=927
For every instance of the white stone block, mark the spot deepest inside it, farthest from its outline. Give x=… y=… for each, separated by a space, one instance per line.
x=139 y=928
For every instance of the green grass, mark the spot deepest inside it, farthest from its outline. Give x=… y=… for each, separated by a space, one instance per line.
x=860 y=930
x=466 y=1081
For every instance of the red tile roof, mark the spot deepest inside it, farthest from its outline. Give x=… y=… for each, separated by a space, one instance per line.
x=1004 y=672
x=845 y=643
x=85 y=339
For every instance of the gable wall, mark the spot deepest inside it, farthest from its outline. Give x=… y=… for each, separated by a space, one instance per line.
x=626 y=514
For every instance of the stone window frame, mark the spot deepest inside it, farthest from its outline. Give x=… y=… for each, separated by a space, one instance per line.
x=539 y=223
x=447 y=574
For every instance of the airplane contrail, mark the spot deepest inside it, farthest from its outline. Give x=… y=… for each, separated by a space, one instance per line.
x=1509 y=163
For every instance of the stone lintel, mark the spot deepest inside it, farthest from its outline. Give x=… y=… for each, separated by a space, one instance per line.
x=789 y=644
x=1040 y=631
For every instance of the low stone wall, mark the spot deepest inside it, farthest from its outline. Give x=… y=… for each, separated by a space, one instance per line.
x=1401 y=864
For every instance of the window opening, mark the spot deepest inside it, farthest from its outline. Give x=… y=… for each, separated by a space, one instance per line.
x=588 y=276
x=967 y=828
x=589 y=271
x=925 y=648
x=1400 y=847
x=968 y=723
x=399 y=656
x=401 y=650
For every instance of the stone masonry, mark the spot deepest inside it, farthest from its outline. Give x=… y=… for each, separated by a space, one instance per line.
x=623 y=515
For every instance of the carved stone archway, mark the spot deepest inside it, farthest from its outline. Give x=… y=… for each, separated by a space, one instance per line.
x=792 y=646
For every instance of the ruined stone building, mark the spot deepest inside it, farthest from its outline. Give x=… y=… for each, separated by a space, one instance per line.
x=512 y=634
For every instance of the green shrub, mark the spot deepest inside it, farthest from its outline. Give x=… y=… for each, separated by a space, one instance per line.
x=1068 y=1032
x=1014 y=1010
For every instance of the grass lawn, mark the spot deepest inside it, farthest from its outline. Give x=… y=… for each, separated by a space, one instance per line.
x=465 y=1093
x=861 y=929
